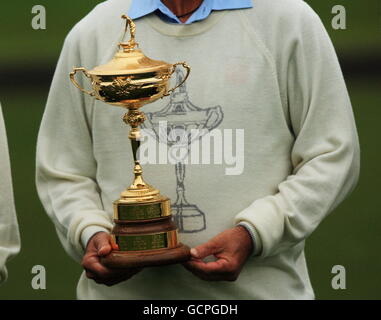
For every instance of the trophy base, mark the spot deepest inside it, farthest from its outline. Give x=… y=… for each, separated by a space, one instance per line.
x=146 y=258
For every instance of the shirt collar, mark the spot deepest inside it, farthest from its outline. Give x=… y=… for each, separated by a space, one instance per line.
x=140 y=8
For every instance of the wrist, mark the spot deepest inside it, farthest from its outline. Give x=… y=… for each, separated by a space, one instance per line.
x=246 y=238
x=89 y=233
x=254 y=236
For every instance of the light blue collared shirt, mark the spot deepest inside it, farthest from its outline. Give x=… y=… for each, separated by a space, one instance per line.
x=140 y=8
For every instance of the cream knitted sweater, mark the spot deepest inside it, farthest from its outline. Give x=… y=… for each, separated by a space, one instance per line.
x=9 y=231
x=266 y=82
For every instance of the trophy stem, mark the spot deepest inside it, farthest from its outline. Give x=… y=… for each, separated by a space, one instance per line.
x=180 y=190
x=139 y=190
x=135 y=118
x=138 y=170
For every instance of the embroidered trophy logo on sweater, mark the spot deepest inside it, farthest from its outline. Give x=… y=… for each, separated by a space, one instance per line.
x=182 y=116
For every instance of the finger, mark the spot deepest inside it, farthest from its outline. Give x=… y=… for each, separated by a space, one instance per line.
x=92 y=264
x=205 y=275
x=123 y=277
x=99 y=271
x=220 y=270
x=90 y=275
x=102 y=244
x=196 y=271
x=117 y=277
x=111 y=282
x=218 y=266
x=204 y=250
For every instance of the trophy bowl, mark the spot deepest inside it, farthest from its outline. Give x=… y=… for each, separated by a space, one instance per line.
x=144 y=84
x=130 y=79
x=144 y=232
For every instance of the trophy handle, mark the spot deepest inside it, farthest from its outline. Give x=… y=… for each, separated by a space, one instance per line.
x=72 y=78
x=187 y=68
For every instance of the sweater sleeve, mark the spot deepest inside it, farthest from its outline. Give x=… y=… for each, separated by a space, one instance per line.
x=325 y=154
x=66 y=168
x=9 y=231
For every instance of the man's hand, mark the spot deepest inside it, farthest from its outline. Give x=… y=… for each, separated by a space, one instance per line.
x=231 y=248
x=99 y=246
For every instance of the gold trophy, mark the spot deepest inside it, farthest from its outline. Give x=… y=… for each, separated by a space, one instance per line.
x=144 y=233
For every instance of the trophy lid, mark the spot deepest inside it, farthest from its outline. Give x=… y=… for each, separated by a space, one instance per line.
x=129 y=59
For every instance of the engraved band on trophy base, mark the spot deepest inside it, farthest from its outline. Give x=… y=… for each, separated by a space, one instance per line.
x=142 y=211
x=144 y=242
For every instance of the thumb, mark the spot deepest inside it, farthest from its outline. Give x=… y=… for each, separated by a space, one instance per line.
x=204 y=250
x=102 y=243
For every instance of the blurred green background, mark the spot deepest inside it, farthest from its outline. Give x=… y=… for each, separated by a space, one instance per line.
x=350 y=236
